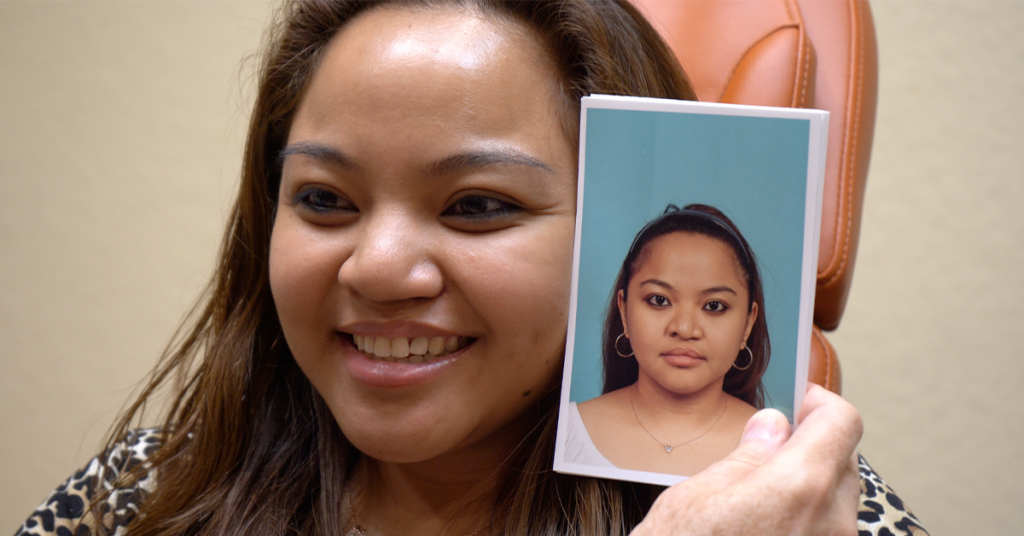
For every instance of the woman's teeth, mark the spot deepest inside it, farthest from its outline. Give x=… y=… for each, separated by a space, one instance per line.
x=405 y=350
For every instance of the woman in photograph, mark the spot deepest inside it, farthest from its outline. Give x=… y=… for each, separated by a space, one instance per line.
x=381 y=346
x=685 y=345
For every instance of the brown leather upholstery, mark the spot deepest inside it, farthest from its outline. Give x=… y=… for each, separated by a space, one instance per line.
x=824 y=368
x=796 y=53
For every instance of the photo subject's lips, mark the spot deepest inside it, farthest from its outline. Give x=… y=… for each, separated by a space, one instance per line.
x=682 y=357
x=385 y=361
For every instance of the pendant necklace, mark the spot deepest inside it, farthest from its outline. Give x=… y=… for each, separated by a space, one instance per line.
x=668 y=447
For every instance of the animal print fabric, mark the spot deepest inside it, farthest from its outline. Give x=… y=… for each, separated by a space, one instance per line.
x=881 y=511
x=63 y=513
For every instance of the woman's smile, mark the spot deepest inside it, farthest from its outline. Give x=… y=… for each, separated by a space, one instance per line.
x=408 y=350
x=373 y=371
x=401 y=354
x=403 y=342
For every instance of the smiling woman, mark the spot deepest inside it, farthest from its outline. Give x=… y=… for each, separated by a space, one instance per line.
x=412 y=230
x=379 y=349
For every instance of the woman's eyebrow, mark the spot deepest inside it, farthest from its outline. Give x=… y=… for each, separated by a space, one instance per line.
x=657 y=283
x=479 y=159
x=319 y=152
x=722 y=288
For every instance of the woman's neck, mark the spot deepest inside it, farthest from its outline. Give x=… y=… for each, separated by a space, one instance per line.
x=394 y=499
x=675 y=420
x=453 y=494
x=657 y=404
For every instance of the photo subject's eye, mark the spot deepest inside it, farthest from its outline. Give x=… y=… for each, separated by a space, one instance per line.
x=715 y=307
x=658 y=301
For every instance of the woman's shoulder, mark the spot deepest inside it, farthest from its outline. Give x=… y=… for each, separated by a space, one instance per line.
x=67 y=509
x=579 y=447
x=606 y=404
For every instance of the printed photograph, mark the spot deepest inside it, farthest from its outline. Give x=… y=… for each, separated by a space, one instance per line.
x=693 y=282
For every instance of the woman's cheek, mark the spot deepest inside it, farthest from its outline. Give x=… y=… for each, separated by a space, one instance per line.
x=301 y=275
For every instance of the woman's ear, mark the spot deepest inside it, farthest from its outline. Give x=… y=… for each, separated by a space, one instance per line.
x=751 y=318
x=620 y=299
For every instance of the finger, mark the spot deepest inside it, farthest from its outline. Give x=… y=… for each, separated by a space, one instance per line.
x=815 y=398
x=829 y=431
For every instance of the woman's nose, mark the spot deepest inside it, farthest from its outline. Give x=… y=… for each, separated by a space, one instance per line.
x=684 y=324
x=391 y=260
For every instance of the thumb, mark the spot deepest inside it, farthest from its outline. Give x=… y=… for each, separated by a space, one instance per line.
x=765 y=433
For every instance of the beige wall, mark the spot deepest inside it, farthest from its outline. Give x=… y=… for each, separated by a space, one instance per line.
x=931 y=342
x=120 y=134
x=121 y=127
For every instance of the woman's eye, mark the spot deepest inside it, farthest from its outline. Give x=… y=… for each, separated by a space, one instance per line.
x=657 y=300
x=715 y=307
x=480 y=213
x=478 y=205
x=322 y=201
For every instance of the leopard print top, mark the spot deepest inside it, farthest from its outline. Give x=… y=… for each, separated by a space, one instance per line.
x=63 y=513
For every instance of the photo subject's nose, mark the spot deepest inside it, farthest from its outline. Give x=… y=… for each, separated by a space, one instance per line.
x=684 y=325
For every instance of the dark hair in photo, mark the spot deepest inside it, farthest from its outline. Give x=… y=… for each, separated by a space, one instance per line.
x=248 y=446
x=745 y=384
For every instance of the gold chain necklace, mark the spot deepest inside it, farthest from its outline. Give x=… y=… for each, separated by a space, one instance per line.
x=668 y=448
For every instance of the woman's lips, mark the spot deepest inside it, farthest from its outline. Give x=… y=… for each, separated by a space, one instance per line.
x=682 y=357
x=390 y=371
x=408 y=349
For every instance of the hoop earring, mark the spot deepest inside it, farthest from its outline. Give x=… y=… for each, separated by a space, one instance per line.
x=749 y=363
x=616 y=345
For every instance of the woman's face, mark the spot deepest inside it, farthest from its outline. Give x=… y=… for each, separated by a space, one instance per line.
x=686 y=313
x=426 y=213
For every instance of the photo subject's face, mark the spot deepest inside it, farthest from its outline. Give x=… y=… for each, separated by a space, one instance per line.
x=422 y=248
x=686 y=313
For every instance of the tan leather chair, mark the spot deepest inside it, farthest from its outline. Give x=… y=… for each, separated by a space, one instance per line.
x=803 y=54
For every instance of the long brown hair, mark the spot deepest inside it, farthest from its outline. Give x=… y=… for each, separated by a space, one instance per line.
x=248 y=446
x=743 y=383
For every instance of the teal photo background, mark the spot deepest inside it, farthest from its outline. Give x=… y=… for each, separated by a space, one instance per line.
x=754 y=169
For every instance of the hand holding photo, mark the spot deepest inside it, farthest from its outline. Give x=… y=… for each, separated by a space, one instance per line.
x=680 y=310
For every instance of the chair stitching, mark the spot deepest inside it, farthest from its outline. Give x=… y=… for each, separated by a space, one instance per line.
x=801 y=77
x=802 y=48
x=796 y=22
x=807 y=70
x=847 y=159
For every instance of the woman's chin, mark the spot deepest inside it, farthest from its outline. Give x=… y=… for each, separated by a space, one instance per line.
x=398 y=444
